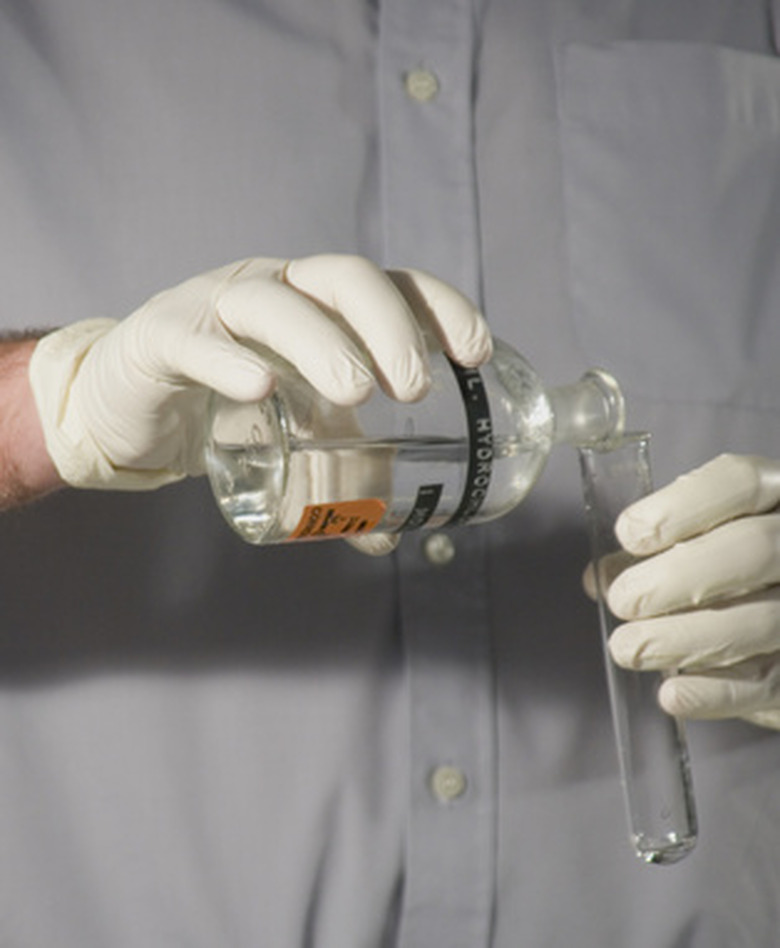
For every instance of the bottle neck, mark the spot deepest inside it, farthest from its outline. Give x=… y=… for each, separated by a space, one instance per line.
x=590 y=411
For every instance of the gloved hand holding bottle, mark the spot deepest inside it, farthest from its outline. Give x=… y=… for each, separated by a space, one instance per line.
x=122 y=403
x=705 y=597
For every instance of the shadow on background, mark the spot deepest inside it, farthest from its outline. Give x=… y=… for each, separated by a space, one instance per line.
x=158 y=581
x=93 y=582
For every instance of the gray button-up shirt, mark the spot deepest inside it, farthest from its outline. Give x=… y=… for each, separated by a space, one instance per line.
x=208 y=744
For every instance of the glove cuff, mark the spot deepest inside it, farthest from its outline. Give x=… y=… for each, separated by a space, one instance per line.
x=53 y=372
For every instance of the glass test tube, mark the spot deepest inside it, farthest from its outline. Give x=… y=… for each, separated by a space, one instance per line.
x=651 y=745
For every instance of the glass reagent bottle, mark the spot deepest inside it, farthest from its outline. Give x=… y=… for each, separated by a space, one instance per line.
x=297 y=467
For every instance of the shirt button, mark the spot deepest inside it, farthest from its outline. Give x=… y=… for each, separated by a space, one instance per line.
x=421 y=85
x=439 y=549
x=448 y=783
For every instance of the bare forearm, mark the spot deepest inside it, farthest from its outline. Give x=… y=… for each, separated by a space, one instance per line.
x=26 y=470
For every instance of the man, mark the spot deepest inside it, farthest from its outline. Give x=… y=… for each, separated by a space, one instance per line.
x=206 y=743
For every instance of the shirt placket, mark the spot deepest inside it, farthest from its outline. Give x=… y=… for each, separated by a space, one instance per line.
x=430 y=220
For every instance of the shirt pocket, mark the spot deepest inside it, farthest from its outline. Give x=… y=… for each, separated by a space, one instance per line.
x=671 y=172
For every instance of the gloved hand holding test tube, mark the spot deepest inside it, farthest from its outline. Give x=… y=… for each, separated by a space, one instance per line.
x=651 y=744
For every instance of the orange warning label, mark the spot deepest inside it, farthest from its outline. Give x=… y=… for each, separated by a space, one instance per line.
x=341 y=519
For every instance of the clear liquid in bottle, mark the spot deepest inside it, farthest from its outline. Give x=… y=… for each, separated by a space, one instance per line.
x=297 y=467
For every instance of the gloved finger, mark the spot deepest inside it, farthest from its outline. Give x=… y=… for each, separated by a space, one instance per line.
x=732 y=560
x=375 y=544
x=447 y=315
x=223 y=365
x=174 y=337
x=609 y=568
x=287 y=323
x=744 y=689
x=704 y=638
x=727 y=487
x=361 y=294
x=769 y=719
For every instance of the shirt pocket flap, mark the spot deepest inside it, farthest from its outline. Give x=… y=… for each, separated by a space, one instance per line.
x=671 y=164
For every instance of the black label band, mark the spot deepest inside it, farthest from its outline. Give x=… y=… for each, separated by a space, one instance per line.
x=424 y=506
x=480 y=434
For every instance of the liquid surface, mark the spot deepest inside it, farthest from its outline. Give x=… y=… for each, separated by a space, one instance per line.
x=262 y=494
x=664 y=852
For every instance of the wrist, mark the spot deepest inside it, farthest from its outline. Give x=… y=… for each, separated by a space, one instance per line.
x=26 y=469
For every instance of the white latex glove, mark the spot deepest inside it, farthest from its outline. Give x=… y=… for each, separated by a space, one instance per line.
x=122 y=404
x=707 y=600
